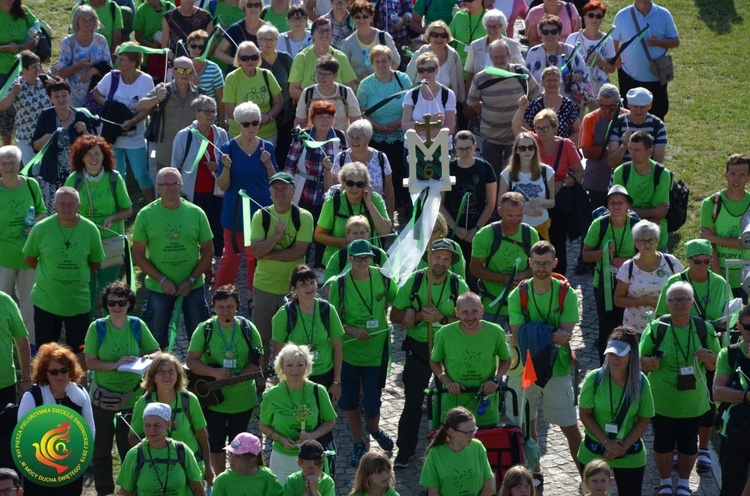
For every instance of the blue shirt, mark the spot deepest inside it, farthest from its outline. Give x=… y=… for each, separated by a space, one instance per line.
x=634 y=60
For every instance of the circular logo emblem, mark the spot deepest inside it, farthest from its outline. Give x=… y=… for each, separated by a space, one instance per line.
x=52 y=445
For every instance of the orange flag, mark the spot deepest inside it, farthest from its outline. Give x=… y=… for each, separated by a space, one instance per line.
x=529 y=374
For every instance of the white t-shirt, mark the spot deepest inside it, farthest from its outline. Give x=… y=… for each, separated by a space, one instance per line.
x=444 y=76
x=606 y=49
x=129 y=95
x=430 y=106
x=531 y=189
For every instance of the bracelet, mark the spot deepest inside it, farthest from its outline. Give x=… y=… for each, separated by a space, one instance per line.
x=162 y=280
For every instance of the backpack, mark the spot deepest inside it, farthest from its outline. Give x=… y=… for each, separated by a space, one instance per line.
x=8 y=421
x=113 y=177
x=344 y=255
x=419 y=277
x=141 y=459
x=679 y=195
x=444 y=94
x=630 y=267
x=498 y=237
x=544 y=180
x=517 y=69
x=247 y=333
x=265 y=217
x=291 y=315
x=381 y=161
x=604 y=226
x=734 y=418
x=101 y=330
x=341 y=280
x=523 y=290
x=184 y=405
x=657 y=336
x=343 y=94
x=336 y=195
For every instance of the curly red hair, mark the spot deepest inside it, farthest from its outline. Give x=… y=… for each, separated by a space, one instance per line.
x=81 y=147
x=59 y=353
x=322 y=107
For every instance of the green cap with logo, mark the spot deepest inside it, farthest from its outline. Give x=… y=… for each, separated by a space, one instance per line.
x=284 y=177
x=698 y=247
x=360 y=248
x=446 y=244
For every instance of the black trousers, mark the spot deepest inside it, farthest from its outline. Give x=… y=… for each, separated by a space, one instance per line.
x=734 y=458
x=558 y=236
x=660 y=105
x=416 y=377
x=607 y=321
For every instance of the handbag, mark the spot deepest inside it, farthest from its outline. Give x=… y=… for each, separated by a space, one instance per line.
x=582 y=91
x=114 y=251
x=661 y=67
x=154 y=129
x=109 y=400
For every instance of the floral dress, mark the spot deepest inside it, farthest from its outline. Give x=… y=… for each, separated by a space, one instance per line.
x=71 y=52
x=63 y=169
x=566 y=115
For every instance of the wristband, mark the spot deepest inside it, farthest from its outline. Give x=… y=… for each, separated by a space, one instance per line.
x=162 y=280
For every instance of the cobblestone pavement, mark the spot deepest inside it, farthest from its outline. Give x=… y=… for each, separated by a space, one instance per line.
x=561 y=477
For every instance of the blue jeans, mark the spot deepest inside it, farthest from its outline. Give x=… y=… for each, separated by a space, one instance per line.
x=157 y=313
x=138 y=163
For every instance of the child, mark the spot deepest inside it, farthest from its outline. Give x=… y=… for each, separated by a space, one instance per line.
x=310 y=481
x=518 y=481
x=374 y=476
x=597 y=478
x=247 y=471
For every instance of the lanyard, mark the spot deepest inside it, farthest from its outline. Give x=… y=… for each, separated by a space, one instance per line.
x=471 y=31
x=301 y=413
x=701 y=307
x=549 y=309
x=678 y=347
x=618 y=246
x=309 y=336
x=372 y=297
x=440 y=298
x=227 y=348
x=164 y=486
x=612 y=409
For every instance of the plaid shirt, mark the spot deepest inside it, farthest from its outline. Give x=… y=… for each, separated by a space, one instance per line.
x=310 y=161
x=341 y=30
x=383 y=18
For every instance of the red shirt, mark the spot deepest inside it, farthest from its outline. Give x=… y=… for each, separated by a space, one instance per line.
x=204 y=181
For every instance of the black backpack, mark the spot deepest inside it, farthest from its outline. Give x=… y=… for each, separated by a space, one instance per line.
x=381 y=160
x=679 y=195
x=444 y=94
x=657 y=335
x=419 y=277
x=141 y=459
x=498 y=237
x=8 y=421
x=291 y=315
x=247 y=333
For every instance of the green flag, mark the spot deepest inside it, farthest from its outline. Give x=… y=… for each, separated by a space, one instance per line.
x=15 y=71
x=201 y=150
x=310 y=143
x=37 y=160
x=209 y=42
x=247 y=219
x=174 y=324
x=496 y=71
x=140 y=49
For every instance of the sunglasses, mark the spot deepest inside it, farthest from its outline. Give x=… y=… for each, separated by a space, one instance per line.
x=254 y=6
x=553 y=32
x=361 y=17
x=184 y=70
x=542 y=129
x=439 y=35
x=208 y=111
x=117 y=303
x=56 y=372
x=297 y=18
x=595 y=16
x=705 y=261
x=526 y=148
x=359 y=184
x=197 y=47
x=251 y=123
x=426 y=70
x=248 y=58
x=744 y=326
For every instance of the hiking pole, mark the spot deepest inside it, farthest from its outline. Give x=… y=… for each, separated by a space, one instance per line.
x=130 y=427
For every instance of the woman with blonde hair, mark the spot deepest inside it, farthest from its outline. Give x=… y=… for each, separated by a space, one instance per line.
x=374 y=476
x=450 y=70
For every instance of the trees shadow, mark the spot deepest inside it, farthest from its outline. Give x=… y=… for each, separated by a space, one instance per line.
x=718 y=15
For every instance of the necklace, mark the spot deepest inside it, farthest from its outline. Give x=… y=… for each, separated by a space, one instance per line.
x=66 y=241
x=156 y=472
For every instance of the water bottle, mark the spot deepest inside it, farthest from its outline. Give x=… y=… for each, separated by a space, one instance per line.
x=29 y=221
x=34 y=30
x=394 y=17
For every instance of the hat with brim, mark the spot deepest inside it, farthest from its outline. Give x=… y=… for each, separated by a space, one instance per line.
x=244 y=443
x=619 y=189
x=619 y=348
x=446 y=244
x=284 y=177
x=360 y=248
x=639 y=96
x=696 y=247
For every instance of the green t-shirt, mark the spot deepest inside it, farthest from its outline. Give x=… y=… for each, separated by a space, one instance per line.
x=435 y=10
x=118 y=343
x=605 y=399
x=230 y=483
x=459 y=473
x=622 y=237
x=503 y=260
x=240 y=88
x=457 y=268
x=173 y=239
x=272 y=276
x=723 y=366
x=223 y=341
x=309 y=330
x=711 y=295
x=442 y=299
x=16 y=203
x=334 y=267
x=154 y=474
x=295 y=485
x=337 y=224
x=678 y=343
x=62 y=271
x=107 y=22
x=290 y=411
x=13 y=31
x=644 y=194
x=11 y=328
x=303 y=67
x=727 y=225
x=544 y=308
x=182 y=428
x=389 y=492
x=148 y=21
x=365 y=306
x=280 y=21
x=97 y=202
x=465 y=29
x=470 y=360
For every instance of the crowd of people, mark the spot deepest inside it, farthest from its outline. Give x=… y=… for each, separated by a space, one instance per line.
x=276 y=135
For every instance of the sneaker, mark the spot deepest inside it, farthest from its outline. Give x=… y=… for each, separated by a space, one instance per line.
x=357 y=453
x=703 y=464
x=402 y=460
x=384 y=440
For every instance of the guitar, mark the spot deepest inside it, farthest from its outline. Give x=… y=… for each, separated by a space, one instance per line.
x=208 y=389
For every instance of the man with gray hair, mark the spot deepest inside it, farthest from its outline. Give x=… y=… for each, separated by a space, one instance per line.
x=593 y=137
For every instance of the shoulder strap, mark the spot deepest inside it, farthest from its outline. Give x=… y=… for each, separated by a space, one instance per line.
x=444 y=95
x=526 y=238
x=265 y=80
x=415 y=96
x=669 y=263
x=341 y=281
x=381 y=37
x=343 y=94
x=658 y=170
x=207 y=331
x=36 y=393
x=308 y=96
x=291 y=317
x=497 y=239
x=523 y=292
x=398 y=81
x=112 y=10
x=544 y=180
x=603 y=226
x=247 y=333
x=342 y=159
x=185 y=398
x=562 y=294
x=264 y=12
x=418 y=276
x=135 y=328
x=78 y=180
x=296 y=220
x=325 y=314
x=454 y=286
x=559 y=155
x=114 y=83
x=113 y=176
x=381 y=161
x=33 y=194
x=101 y=331
x=626 y=174
x=701 y=329
x=630 y=269
x=265 y=217
x=657 y=336
x=717 y=204
x=188 y=143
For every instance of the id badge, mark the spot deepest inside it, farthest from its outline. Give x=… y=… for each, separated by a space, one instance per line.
x=372 y=324
x=229 y=364
x=466 y=48
x=611 y=429
x=686 y=371
x=314 y=354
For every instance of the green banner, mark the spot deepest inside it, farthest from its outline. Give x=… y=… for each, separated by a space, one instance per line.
x=174 y=324
x=15 y=71
x=141 y=49
x=247 y=220
x=40 y=154
x=201 y=150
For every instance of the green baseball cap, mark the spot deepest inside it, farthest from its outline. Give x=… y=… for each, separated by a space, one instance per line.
x=360 y=248
x=284 y=177
x=446 y=244
x=698 y=247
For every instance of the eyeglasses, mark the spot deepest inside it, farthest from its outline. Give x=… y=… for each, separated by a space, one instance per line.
x=595 y=16
x=184 y=70
x=117 y=303
x=426 y=70
x=356 y=137
x=251 y=123
x=526 y=148
x=254 y=5
x=197 y=47
x=704 y=261
x=464 y=148
x=169 y=185
x=323 y=30
x=247 y=58
x=9 y=491
x=167 y=372
x=362 y=259
x=266 y=40
x=439 y=35
x=611 y=106
x=542 y=129
x=56 y=372
x=323 y=73
x=361 y=17
x=541 y=265
x=297 y=18
x=680 y=300
x=208 y=111
x=470 y=433
x=547 y=32
x=493 y=26
x=646 y=241
x=359 y=184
